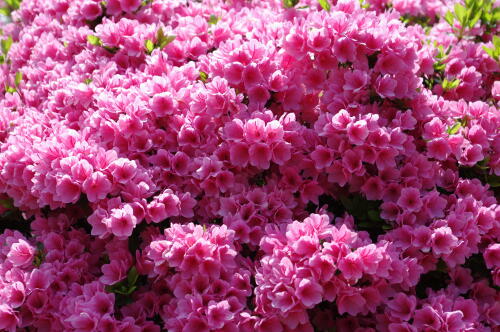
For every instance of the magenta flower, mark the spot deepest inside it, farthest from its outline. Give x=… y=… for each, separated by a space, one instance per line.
x=410 y=199
x=96 y=187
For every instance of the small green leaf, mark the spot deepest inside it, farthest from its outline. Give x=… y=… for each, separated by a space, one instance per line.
x=495 y=15
x=19 y=78
x=10 y=89
x=461 y=13
x=5 y=11
x=450 y=85
x=39 y=255
x=374 y=215
x=496 y=41
x=490 y=52
x=6 y=203
x=6 y=44
x=454 y=129
x=94 y=40
x=111 y=49
x=13 y=4
x=493 y=181
x=149 y=46
x=473 y=20
x=132 y=276
x=439 y=66
x=290 y=3
x=162 y=40
x=324 y=4
x=213 y=19
x=441 y=266
x=167 y=40
x=160 y=34
x=203 y=76
x=449 y=18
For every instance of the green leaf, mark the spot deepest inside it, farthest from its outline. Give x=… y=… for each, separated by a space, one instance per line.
x=449 y=18
x=496 y=41
x=6 y=44
x=39 y=255
x=290 y=3
x=111 y=49
x=203 y=76
x=159 y=35
x=167 y=40
x=149 y=46
x=6 y=203
x=441 y=266
x=374 y=215
x=19 y=78
x=450 y=85
x=474 y=18
x=439 y=66
x=493 y=181
x=10 y=89
x=324 y=4
x=162 y=40
x=5 y=11
x=213 y=19
x=454 y=129
x=495 y=15
x=460 y=13
x=490 y=52
x=94 y=40
x=132 y=276
x=13 y=4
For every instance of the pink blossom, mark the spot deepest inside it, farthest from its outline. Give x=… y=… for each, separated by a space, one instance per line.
x=218 y=314
x=402 y=306
x=351 y=303
x=322 y=156
x=345 y=49
x=443 y=241
x=21 y=253
x=8 y=319
x=123 y=221
x=129 y=6
x=308 y=292
x=439 y=149
x=239 y=154
x=410 y=199
x=96 y=187
x=91 y=10
x=260 y=155
x=492 y=256
x=68 y=190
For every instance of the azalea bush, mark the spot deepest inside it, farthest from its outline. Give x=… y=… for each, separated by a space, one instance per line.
x=237 y=165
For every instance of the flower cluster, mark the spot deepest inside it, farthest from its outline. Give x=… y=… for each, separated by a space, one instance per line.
x=278 y=165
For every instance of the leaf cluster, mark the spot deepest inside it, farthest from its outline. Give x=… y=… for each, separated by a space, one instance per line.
x=162 y=40
x=96 y=41
x=10 y=6
x=473 y=11
x=494 y=52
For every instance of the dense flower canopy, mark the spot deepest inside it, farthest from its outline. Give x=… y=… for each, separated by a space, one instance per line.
x=238 y=165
